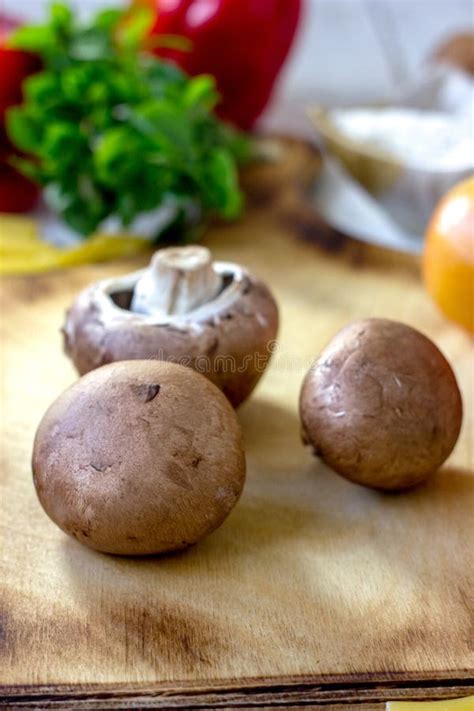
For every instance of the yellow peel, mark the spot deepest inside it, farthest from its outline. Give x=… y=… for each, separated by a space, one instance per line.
x=22 y=251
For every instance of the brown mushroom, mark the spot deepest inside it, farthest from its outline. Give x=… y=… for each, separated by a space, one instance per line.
x=139 y=457
x=381 y=405
x=215 y=317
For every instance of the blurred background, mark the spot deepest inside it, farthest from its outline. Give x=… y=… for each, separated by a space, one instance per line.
x=346 y=52
x=377 y=84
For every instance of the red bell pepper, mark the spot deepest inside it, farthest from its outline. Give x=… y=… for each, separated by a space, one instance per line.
x=243 y=43
x=17 y=193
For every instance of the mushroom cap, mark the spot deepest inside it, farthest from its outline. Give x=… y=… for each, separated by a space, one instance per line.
x=381 y=405
x=227 y=339
x=139 y=457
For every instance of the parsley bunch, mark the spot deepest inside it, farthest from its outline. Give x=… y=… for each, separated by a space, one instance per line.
x=112 y=130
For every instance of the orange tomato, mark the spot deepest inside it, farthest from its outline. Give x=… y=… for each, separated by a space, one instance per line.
x=448 y=258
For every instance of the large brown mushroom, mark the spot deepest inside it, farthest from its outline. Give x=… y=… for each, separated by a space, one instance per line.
x=381 y=405
x=139 y=457
x=215 y=317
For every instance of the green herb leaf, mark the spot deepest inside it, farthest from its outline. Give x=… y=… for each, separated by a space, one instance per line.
x=134 y=29
x=222 y=184
x=108 y=20
x=201 y=92
x=177 y=42
x=61 y=17
x=32 y=39
x=26 y=131
x=112 y=130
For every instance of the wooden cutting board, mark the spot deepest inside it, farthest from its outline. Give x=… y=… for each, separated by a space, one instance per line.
x=314 y=591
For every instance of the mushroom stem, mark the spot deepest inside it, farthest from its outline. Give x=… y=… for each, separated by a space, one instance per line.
x=178 y=280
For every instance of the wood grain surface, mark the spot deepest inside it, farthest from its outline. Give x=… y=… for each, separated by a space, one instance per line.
x=314 y=591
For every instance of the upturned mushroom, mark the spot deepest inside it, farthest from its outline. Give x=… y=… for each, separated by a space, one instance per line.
x=381 y=405
x=139 y=457
x=215 y=317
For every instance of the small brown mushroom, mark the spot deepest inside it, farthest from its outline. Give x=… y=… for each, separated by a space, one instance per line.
x=215 y=317
x=139 y=457
x=381 y=405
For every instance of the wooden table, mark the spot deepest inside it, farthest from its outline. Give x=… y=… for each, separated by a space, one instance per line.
x=314 y=591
